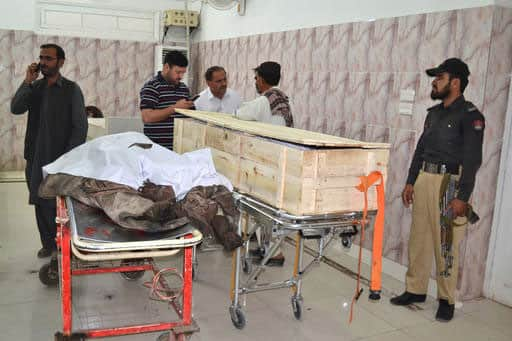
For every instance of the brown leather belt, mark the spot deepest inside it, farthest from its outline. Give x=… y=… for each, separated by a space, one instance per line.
x=439 y=168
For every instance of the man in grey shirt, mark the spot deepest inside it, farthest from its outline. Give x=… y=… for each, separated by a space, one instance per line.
x=56 y=123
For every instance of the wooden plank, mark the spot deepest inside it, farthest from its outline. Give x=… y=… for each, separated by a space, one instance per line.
x=293 y=135
x=227 y=165
x=281 y=179
x=258 y=180
x=178 y=136
x=193 y=135
x=222 y=139
x=261 y=151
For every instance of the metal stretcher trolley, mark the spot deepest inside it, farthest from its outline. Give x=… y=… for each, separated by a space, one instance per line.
x=322 y=227
x=88 y=243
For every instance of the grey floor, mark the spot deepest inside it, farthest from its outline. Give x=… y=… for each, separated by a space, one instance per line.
x=30 y=311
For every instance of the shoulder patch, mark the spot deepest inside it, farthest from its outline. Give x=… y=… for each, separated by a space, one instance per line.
x=478 y=125
x=472 y=108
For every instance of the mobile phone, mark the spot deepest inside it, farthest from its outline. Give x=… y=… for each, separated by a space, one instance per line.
x=38 y=67
x=193 y=98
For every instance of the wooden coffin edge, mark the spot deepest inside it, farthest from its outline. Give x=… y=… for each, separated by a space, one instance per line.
x=293 y=135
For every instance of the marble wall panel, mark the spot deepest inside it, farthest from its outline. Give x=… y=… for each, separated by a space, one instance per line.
x=382 y=55
x=359 y=46
x=110 y=74
x=411 y=33
x=340 y=47
x=321 y=46
x=501 y=49
x=439 y=39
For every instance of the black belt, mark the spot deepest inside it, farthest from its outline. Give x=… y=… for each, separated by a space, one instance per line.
x=440 y=168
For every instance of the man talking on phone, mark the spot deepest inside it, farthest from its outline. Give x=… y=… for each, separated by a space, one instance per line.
x=56 y=123
x=161 y=95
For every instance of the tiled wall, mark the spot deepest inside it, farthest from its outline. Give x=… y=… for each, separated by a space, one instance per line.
x=345 y=80
x=109 y=72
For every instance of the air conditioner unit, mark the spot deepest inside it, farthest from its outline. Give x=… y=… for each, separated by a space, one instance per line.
x=162 y=50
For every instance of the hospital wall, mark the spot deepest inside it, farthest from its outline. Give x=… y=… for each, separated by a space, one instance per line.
x=109 y=72
x=345 y=79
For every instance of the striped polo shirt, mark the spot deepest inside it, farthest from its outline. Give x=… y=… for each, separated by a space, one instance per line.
x=157 y=93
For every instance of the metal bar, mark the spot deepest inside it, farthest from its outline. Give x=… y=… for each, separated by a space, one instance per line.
x=267 y=286
x=301 y=260
x=127 y=268
x=187 y=284
x=65 y=251
x=144 y=328
x=279 y=213
x=235 y=271
x=296 y=262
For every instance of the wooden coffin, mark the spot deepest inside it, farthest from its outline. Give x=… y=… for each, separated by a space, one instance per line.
x=301 y=172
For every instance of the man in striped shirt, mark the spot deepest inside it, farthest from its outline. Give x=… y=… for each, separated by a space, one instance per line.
x=161 y=95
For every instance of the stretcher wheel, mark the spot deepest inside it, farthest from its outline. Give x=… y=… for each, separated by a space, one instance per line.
x=346 y=242
x=132 y=275
x=74 y=337
x=49 y=275
x=297 y=307
x=246 y=266
x=237 y=317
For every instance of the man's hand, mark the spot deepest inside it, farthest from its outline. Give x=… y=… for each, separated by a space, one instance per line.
x=407 y=195
x=32 y=73
x=458 y=207
x=183 y=104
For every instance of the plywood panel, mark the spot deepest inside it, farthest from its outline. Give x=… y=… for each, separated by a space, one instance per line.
x=223 y=139
x=293 y=135
x=258 y=180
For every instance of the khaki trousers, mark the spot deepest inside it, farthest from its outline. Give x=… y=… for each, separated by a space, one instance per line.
x=425 y=239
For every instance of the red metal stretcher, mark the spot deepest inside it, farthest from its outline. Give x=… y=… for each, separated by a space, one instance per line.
x=79 y=245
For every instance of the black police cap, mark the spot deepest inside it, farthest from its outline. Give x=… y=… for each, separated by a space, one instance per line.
x=453 y=66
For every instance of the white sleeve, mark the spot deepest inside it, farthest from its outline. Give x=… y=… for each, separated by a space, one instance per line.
x=202 y=102
x=255 y=110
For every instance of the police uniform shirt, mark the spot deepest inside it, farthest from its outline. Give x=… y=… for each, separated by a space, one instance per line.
x=452 y=136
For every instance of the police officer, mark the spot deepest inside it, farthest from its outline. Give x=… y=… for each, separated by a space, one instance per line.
x=451 y=143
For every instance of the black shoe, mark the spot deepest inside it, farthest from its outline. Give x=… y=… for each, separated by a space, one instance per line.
x=445 y=311
x=44 y=253
x=407 y=298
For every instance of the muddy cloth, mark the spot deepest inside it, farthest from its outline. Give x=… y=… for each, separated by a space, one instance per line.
x=151 y=209
x=212 y=210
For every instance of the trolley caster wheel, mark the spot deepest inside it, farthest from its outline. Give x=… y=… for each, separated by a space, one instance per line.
x=374 y=295
x=74 y=337
x=49 y=275
x=132 y=275
x=237 y=317
x=297 y=307
x=246 y=266
x=346 y=242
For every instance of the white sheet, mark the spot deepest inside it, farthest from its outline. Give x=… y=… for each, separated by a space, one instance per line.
x=109 y=158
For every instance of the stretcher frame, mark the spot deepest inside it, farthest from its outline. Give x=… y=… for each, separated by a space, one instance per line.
x=322 y=227
x=68 y=249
